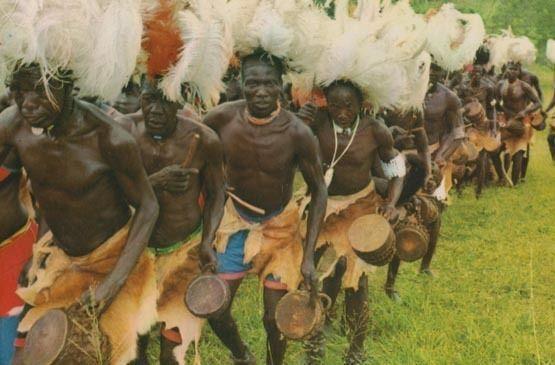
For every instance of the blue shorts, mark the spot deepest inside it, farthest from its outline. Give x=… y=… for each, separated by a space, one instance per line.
x=231 y=265
x=8 y=334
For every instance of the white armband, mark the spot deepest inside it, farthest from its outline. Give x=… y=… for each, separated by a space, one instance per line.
x=459 y=132
x=394 y=168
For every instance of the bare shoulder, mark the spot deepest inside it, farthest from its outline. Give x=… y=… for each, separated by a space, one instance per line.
x=222 y=114
x=126 y=122
x=208 y=136
x=114 y=141
x=10 y=122
x=379 y=129
x=301 y=131
x=451 y=98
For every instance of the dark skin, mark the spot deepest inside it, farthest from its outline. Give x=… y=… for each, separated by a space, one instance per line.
x=352 y=174
x=129 y=100
x=85 y=171
x=518 y=99
x=551 y=136
x=442 y=118
x=260 y=165
x=478 y=88
x=531 y=80
x=164 y=138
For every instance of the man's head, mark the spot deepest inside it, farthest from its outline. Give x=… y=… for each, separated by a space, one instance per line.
x=262 y=84
x=437 y=74
x=344 y=101
x=477 y=73
x=40 y=105
x=513 y=71
x=160 y=114
x=129 y=100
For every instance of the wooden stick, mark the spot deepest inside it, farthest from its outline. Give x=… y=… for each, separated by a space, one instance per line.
x=245 y=204
x=191 y=151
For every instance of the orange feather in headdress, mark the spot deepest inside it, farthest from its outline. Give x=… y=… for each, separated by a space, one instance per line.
x=162 y=39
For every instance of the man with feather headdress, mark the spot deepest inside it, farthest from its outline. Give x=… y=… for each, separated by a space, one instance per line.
x=85 y=170
x=183 y=159
x=263 y=146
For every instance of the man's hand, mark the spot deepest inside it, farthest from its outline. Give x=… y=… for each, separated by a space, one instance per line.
x=389 y=211
x=307 y=113
x=101 y=296
x=430 y=183
x=174 y=179
x=440 y=162
x=310 y=279
x=208 y=258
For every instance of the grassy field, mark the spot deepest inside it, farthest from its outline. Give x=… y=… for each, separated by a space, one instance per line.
x=492 y=300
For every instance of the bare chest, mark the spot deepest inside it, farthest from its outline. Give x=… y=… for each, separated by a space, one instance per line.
x=70 y=166
x=344 y=150
x=265 y=148
x=159 y=154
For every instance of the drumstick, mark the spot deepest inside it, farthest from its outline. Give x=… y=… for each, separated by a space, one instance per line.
x=245 y=204
x=191 y=151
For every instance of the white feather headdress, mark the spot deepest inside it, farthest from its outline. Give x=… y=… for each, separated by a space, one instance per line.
x=381 y=50
x=188 y=43
x=97 y=40
x=507 y=47
x=550 y=51
x=454 y=37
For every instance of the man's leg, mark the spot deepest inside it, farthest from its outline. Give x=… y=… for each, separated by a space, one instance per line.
x=315 y=347
x=551 y=142
x=276 y=343
x=481 y=173
x=434 y=237
x=358 y=316
x=392 y=271
x=226 y=330
x=142 y=347
x=525 y=160
x=517 y=167
x=498 y=166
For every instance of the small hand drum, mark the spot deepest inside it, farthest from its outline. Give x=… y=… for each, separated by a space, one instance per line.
x=412 y=241
x=538 y=121
x=372 y=239
x=46 y=339
x=429 y=209
x=207 y=296
x=297 y=319
x=67 y=337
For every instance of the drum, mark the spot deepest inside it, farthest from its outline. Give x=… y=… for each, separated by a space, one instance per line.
x=207 y=296
x=66 y=338
x=372 y=239
x=411 y=240
x=429 y=209
x=513 y=129
x=538 y=120
x=297 y=319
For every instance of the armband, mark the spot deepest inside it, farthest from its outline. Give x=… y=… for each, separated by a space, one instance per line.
x=459 y=132
x=394 y=168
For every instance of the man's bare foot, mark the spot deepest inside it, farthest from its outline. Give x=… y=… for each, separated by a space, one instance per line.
x=393 y=295
x=248 y=359
x=427 y=271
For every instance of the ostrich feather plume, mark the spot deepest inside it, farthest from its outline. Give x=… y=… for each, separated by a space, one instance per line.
x=454 y=37
x=507 y=47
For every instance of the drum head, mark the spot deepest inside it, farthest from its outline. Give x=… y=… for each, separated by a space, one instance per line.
x=412 y=243
x=207 y=295
x=295 y=318
x=369 y=232
x=46 y=339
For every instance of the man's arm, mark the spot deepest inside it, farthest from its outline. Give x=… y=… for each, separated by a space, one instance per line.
x=536 y=86
x=213 y=182
x=393 y=166
x=311 y=169
x=552 y=104
x=490 y=98
x=453 y=117
x=122 y=154
x=421 y=143
x=536 y=103
x=8 y=124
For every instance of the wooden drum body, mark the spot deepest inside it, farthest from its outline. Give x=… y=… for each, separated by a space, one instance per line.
x=66 y=338
x=412 y=240
x=297 y=319
x=207 y=296
x=372 y=239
